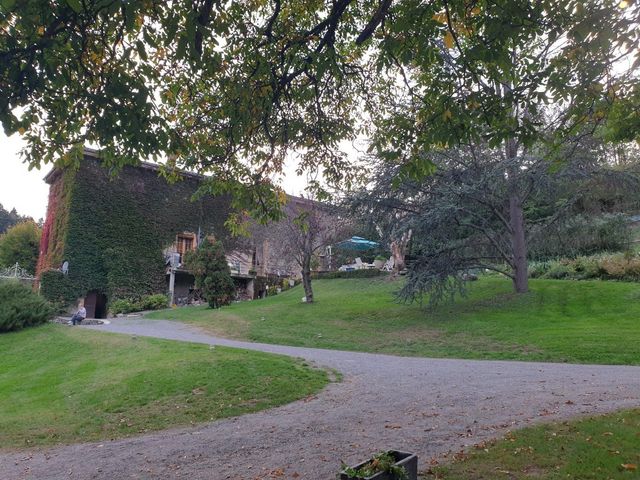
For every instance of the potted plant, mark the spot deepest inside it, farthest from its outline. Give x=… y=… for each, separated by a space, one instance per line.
x=390 y=465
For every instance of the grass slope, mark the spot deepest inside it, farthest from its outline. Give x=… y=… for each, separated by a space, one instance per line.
x=559 y=320
x=604 y=447
x=61 y=384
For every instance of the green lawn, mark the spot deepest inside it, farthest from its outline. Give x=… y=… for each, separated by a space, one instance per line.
x=604 y=447
x=60 y=384
x=559 y=320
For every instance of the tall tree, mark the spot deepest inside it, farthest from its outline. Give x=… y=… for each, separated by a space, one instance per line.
x=20 y=244
x=460 y=215
x=8 y=218
x=306 y=230
x=231 y=88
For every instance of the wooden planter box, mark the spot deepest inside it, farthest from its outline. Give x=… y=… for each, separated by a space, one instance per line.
x=407 y=460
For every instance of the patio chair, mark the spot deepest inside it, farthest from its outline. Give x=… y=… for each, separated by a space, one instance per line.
x=388 y=265
x=360 y=265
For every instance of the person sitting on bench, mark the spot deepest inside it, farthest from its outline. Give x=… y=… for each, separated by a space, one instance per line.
x=80 y=315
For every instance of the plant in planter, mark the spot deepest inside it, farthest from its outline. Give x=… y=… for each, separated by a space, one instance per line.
x=391 y=465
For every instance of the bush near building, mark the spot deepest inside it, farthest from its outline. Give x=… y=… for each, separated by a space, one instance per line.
x=149 y=302
x=20 y=307
x=209 y=266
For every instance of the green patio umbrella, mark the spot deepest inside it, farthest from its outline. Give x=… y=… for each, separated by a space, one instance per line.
x=357 y=243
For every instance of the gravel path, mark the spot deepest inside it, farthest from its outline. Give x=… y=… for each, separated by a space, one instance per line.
x=423 y=405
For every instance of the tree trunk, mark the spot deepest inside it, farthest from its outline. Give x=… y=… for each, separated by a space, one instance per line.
x=306 y=277
x=518 y=245
x=399 y=251
x=516 y=222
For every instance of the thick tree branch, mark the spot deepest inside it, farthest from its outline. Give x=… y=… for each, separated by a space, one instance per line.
x=375 y=21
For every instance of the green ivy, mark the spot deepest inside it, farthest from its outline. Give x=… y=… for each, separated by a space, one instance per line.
x=58 y=289
x=112 y=230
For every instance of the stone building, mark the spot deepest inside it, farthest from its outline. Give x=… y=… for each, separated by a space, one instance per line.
x=125 y=236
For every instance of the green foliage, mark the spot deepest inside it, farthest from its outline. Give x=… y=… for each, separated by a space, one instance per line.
x=538 y=269
x=318 y=64
x=122 y=306
x=582 y=235
x=623 y=267
x=558 y=271
x=21 y=244
x=154 y=302
x=209 y=266
x=58 y=288
x=150 y=302
x=623 y=122
x=8 y=219
x=362 y=273
x=20 y=307
x=383 y=462
x=44 y=52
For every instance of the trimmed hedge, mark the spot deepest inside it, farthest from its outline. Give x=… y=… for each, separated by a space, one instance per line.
x=20 y=307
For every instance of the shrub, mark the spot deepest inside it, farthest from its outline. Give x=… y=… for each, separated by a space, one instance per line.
x=587 y=268
x=373 y=272
x=285 y=284
x=20 y=307
x=619 y=266
x=157 y=301
x=122 y=306
x=154 y=302
x=539 y=269
x=559 y=271
x=209 y=266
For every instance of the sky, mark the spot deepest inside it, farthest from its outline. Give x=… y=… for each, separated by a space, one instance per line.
x=27 y=192
x=20 y=188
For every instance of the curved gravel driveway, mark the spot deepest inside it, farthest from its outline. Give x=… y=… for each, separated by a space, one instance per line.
x=422 y=405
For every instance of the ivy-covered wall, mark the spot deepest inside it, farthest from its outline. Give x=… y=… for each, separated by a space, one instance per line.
x=55 y=225
x=112 y=230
